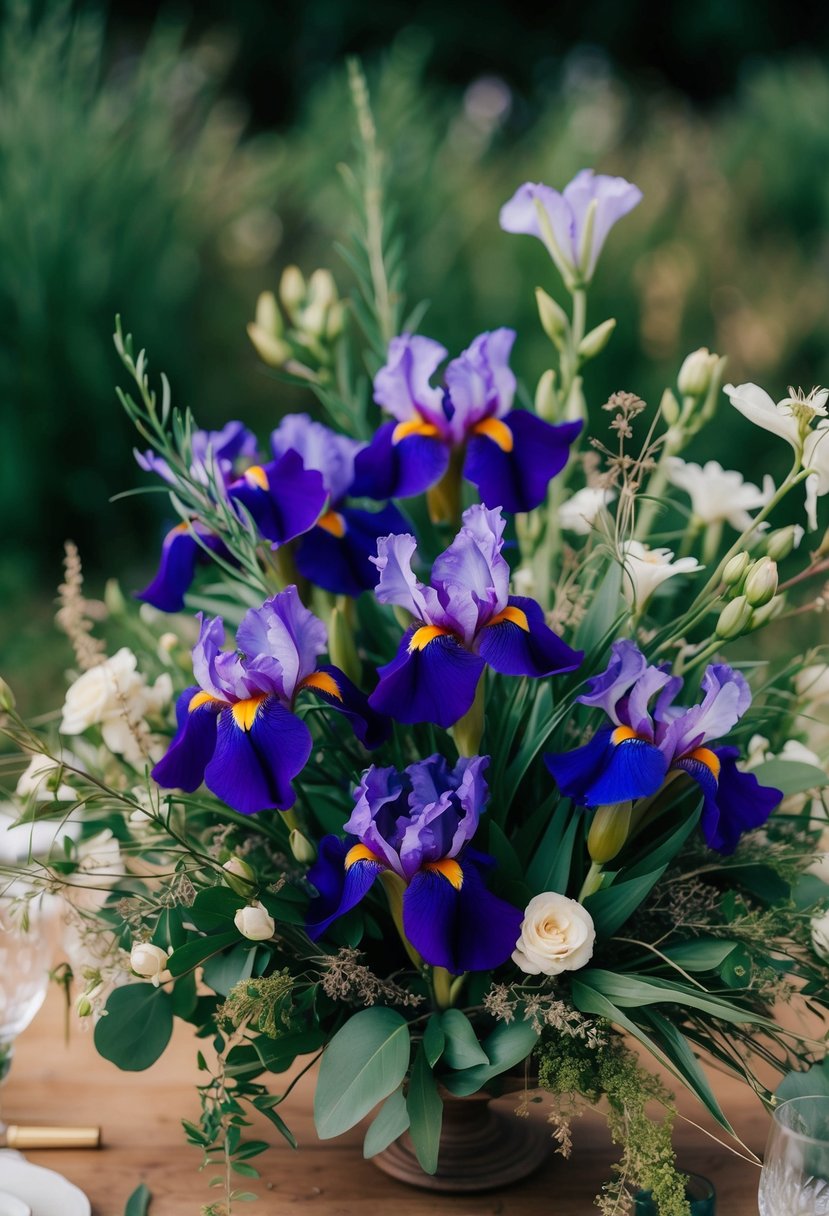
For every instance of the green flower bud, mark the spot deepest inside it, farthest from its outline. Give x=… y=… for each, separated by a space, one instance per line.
x=761 y=582
x=780 y=544
x=302 y=848
x=292 y=289
x=336 y=321
x=669 y=407
x=695 y=374
x=7 y=698
x=734 y=619
x=593 y=344
x=823 y=547
x=322 y=289
x=239 y=876
x=546 y=397
x=342 y=646
x=735 y=569
x=608 y=832
x=768 y=612
x=554 y=320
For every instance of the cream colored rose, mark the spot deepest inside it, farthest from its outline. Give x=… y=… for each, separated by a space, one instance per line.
x=557 y=935
x=98 y=691
x=150 y=962
x=255 y=923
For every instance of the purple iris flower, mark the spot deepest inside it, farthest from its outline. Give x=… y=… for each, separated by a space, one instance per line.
x=607 y=199
x=418 y=824
x=237 y=727
x=335 y=552
x=463 y=621
x=181 y=550
x=650 y=737
x=510 y=455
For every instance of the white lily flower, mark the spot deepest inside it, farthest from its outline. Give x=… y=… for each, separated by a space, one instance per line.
x=579 y=513
x=816 y=458
x=719 y=494
x=645 y=569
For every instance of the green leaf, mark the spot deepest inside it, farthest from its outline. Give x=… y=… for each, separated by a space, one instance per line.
x=194 y=952
x=425 y=1109
x=138 y=1203
x=509 y=1044
x=635 y=991
x=136 y=1028
x=365 y=1061
x=605 y=609
x=703 y=954
x=434 y=1039
x=509 y=867
x=278 y=1054
x=611 y=906
x=813 y=1083
x=391 y=1121
x=213 y=910
x=678 y=1050
x=223 y=971
x=550 y=866
x=791 y=776
x=462 y=1047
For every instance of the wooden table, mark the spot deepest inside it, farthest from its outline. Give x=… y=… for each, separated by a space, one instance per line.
x=143 y=1141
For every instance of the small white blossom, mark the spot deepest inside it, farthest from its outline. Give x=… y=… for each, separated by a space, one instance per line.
x=116 y=697
x=820 y=935
x=150 y=962
x=646 y=569
x=557 y=934
x=719 y=494
x=255 y=922
x=100 y=865
x=39 y=781
x=579 y=513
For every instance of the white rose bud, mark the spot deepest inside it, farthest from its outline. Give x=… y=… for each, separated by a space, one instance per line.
x=239 y=876
x=150 y=962
x=255 y=923
x=820 y=935
x=695 y=374
x=557 y=934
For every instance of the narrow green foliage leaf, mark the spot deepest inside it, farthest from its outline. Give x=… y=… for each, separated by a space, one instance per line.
x=139 y=1201
x=434 y=1039
x=391 y=1121
x=425 y=1110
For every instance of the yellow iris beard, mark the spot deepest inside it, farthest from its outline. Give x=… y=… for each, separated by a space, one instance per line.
x=244 y=712
x=424 y=635
x=324 y=682
x=416 y=426
x=514 y=615
x=497 y=431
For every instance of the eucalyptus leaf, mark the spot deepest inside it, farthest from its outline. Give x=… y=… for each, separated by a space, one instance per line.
x=365 y=1061
x=188 y=956
x=509 y=1045
x=137 y=1026
x=462 y=1048
x=434 y=1039
x=391 y=1121
x=702 y=954
x=813 y=1083
x=425 y=1109
x=139 y=1201
x=791 y=776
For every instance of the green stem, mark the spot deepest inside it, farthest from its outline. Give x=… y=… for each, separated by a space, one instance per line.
x=591 y=883
x=394 y=887
x=442 y=987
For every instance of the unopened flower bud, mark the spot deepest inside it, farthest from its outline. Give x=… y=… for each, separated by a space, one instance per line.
x=255 y=923
x=342 y=645
x=167 y=642
x=291 y=289
x=266 y=332
x=781 y=543
x=608 y=832
x=268 y=317
x=301 y=847
x=695 y=374
x=322 y=289
x=7 y=698
x=554 y=320
x=546 y=397
x=83 y=1006
x=336 y=321
x=735 y=569
x=768 y=612
x=114 y=598
x=239 y=876
x=593 y=344
x=761 y=582
x=575 y=406
x=734 y=619
x=669 y=407
x=150 y=962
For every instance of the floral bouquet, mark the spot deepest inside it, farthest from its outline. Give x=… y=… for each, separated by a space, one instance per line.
x=486 y=789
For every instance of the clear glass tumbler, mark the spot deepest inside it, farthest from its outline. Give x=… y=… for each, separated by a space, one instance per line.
x=26 y=954
x=795 y=1177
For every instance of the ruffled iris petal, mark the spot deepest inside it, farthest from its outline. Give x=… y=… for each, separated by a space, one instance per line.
x=291 y=503
x=733 y=804
x=182 y=768
x=386 y=469
x=339 y=890
x=517 y=480
x=462 y=930
x=342 y=564
x=335 y=688
x=252 y=769
x=603 y=772
x=435 y=683
x=513 y=650
x=180 y=554
x=576 y=770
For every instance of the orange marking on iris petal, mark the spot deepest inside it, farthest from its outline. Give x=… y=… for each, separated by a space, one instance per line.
x=256 y=476
x=710 y=759
x=514 y=615
x=415 y=426
x=244 y=712
x=360 y=852
x=333 y=522
x=179 y=528
x=424 y=635
x=497 y=431
x=202 y=698
x=450 y=870
x=622 y=734
x=324 y=682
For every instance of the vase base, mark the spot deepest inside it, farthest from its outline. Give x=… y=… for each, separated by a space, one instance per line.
x=483 y=1153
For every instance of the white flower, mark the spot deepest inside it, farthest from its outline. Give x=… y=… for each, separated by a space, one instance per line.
x=40 y=778
x=816 y=457
x=695 y=374
x=812 y=683
x=719 y=494
x=645 y=569
x=820 y=935
x=100 y=865
x=579 y=512
x=557 y=934
x=116 y=697
x=755 y=404
x=150 y=962
x=255 y=922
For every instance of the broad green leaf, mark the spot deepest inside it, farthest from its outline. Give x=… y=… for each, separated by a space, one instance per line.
x=391 y=1121
x=434 y=1039
x=278 y=1054
x=196 y=951
x=425 y=1109
x=812 y=1083
x=791 y=776
x=677 y=1048
x=509 y=1045
x=137 y=1026
x=808 y=891
x=664 y=848
x=509 y=867
x=365 y=1061
x=703 y=954
x=138 y=1203
x=213 y=910
x=612 y=906
x=223 y=971
x=462 y=1048
x=605 y=609
x=550 y=866
x=635 y=991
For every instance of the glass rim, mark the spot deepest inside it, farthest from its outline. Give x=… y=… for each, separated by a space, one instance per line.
x=775 y=1114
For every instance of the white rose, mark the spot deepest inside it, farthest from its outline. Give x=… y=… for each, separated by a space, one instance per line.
x=150 y=962
x=255 y=923
x=557 y=935
x=40 y=780
x=99 y=691
x=100 y=865
x=820 y=935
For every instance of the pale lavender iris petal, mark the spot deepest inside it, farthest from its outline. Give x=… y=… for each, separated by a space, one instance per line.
x=638 y=712
x=727 y=697
x=520 y=214
x=206 y=651
x=321 y=448
x=285 y=630
x=480 y=382
x=614 y=198
x=607 y=690
x=397 y=583
x=380 y=814
x=471 y=576
x=403 y=388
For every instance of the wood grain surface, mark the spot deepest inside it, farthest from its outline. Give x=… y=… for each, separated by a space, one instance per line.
x=51 y=1082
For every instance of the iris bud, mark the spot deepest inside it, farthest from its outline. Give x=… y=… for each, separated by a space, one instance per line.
x=669 y=407
x=7 y=698
x=761 y=583
x=768 y=612
x=292 y=289
x=694 y=377
x=734 y=619
x=608 y=832
x=255 y=923
x=239 y=876
x=735 y=569
x=554 y=320
x=301 y=847
x=593 y=344
x=546 y=397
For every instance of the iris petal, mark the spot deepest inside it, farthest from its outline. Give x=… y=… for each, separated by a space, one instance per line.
x=252 y=769
x=339 y=889
x=334 y=687
x=386 y=469
x=603 y=772
x=284 y=498
x=521 y=644
x=433 y=684
x=341 y=564
x=180 y=554
x=182 y=768
x=517 y=479
x=734 y=804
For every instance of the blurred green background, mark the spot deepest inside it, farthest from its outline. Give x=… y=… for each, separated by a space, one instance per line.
x=166 y=166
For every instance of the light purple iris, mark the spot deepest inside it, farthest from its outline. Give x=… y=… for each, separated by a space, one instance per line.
x=464 y=620
x=322 y=449
x=649 y=736
x=418 y=824
x=590 y=200
x=237 y=727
